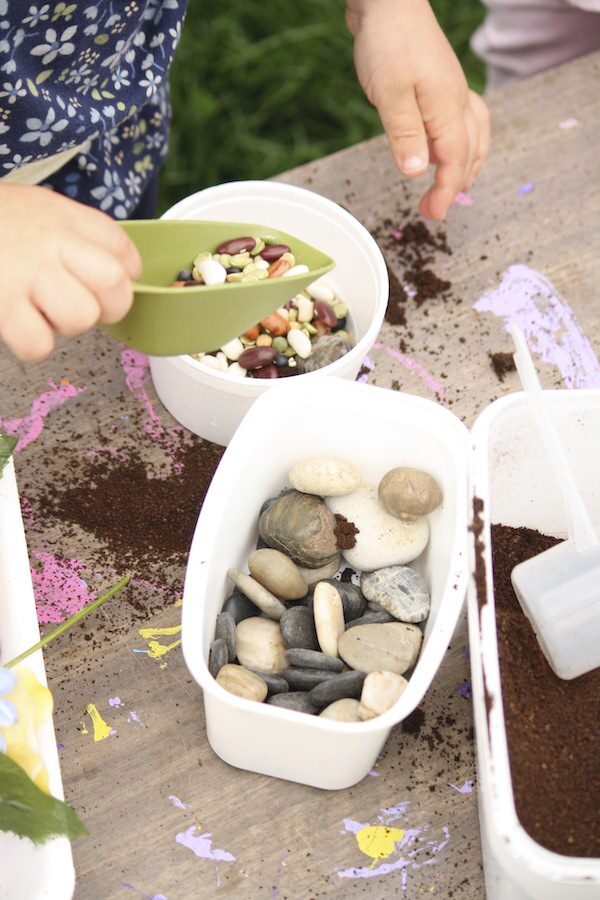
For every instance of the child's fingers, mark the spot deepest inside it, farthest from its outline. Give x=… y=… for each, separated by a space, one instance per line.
x=103 y=274
x=100 y=229
x=26 y=332
x=66 y=304
x=451 y=150
x=403 y=123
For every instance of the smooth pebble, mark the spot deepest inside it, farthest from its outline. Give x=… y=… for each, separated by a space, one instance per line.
x=239 y=606
x=277 y=573
x=296 y=700
x=300 y=679
x=313 y=659
x=379 y=693
x=393 y=646
x=225 y=629
x=324 y=476
x=371 y=617
x=218 y=656
x=260 y=645
x=298 y=628
x=344 y=710
x=329 y=617
x=348 y=684
x=260 y=596
x=302 y=527
x=409 y=492
x=311 y=576
x=242 y=682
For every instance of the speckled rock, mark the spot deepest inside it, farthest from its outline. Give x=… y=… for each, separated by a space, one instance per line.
x=225 y=629
x=382 y=539
x=379 y=693
x=278 y=574
x=302 y=527
x=298 y=628
x=392 y=646
x=242 y=682
x=348 y=684
x=260 y=645
x=218 y=656
x=406 y=492
x=324 y=477
x=329 y=617
x=325 y=350
x=296 y=700
x=400 y=590
x=270 y=605
x=313 y=659
x=344 y=710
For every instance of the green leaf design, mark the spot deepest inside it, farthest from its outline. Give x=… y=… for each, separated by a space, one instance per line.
x=7 y=445
x=27 y=811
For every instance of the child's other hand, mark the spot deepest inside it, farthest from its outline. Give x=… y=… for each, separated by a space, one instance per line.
x=63 y=268
x=409 y=72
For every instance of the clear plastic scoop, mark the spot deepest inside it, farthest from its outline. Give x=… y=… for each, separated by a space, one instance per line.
x=559 y=590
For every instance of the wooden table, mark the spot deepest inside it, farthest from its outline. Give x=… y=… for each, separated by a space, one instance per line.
x=166 y=817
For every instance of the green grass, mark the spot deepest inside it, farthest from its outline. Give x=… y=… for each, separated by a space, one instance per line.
x=260 y=88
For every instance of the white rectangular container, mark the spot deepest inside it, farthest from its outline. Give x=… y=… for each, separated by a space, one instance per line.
x=375 y=430
x=512 y=476
x=42 y=872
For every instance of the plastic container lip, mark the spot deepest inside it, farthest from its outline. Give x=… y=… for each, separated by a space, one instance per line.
x=214 y=511
x=292 y=197
x=511 y=843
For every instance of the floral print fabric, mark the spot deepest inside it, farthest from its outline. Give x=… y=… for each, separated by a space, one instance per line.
x=72 y=73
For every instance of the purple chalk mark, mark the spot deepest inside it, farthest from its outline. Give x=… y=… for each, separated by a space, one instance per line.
x=463 y=199
x=367 y=364
x=133 y=717
x=568 y=123
x=282 y=864
x=201 y=845
x=59 y=589
x=465 y=788
x=177 y=802
x=526 y=298
x=413 y=366
x=30 y=427
x=464 y=689
x=527 y=188
x=374 y=774
x=409 y=855
x=126 y=884
x=115 y=701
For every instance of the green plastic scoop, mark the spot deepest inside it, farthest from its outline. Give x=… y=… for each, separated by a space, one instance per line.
x=168 y=321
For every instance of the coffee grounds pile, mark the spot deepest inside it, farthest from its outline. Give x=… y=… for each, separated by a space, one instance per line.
x=139 y=519
x=552 y=725
x=502 y=363
x=414 y=248
x=345 y=532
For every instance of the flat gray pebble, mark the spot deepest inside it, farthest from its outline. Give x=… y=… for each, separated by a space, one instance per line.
x=225 y=629
x=371 y=617
x=218 y=656
x=353 y=600
x=298 y=628
x=348 y=684
x=239 y=606
x=296 y=700
x=306 y=679
x=313 y=659
x=275 y=683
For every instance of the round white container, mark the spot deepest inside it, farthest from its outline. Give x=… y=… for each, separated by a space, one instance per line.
x=211 y=403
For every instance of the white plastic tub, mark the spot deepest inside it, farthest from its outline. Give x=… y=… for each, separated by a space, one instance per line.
x=27 y=871
x=212 y=403
x=513 y=478
x=375 y=430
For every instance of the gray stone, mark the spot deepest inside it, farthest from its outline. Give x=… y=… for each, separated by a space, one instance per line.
x=325 y=350
x=353 y=601
x=306 y=679
x=313 y=659
x=400 y=590
x=239 y=606
x=225 y=628
x=218 y=656
x=298 y=628
x=296 y=700
x=348 y=684
x=392 y=646
x=301 y=526
x=371 y=617
x=275 y=683
x=311 y=576
x=277 y=573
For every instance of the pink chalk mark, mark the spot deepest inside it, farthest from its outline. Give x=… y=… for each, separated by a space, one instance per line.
x=412 y=365
x=59 y=588
x=526 y=298
x=30 y=427
x=463 y=199
x=176 y=802
x=568 y=123
x=201 y=845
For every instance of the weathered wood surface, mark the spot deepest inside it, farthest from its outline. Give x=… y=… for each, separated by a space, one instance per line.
x=537 y=204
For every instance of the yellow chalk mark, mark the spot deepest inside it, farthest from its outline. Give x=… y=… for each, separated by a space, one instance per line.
x=101 y=729
x=378 y=841
x=156 y=650
x=83 y=729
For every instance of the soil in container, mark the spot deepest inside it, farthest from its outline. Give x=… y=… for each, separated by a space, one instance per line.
x=552 y=726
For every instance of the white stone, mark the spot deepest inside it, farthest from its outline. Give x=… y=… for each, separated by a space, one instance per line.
x=329 y=617
x=382 y=539
x=321 y=290
x=260 y=596
x=325 y=477
x=299 y=341
x=233 y=349
x=300 y=269
x=242 y=682
x=388 y=646
x=260 y=645
x=379 y=693
x=212 y=272
x=344 y=710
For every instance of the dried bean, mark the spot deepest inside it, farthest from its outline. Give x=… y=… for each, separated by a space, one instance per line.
x=257 y=357
x=272 y=253
x=325 y=312
x=237 y=245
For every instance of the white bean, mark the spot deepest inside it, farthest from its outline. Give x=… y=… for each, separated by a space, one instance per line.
x=212 y=272
x=233 y=349
x=300 y=342
x=300 y=269
x=321 y=290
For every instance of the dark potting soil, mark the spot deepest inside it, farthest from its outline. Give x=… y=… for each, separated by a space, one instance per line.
x=553 y=726
x=502 y=363
x=345 y=532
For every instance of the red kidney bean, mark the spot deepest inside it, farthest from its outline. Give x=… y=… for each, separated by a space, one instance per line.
x=257 y=357
x=273 y=252
x=324 y=312
x=236 y=245
x=269 y=371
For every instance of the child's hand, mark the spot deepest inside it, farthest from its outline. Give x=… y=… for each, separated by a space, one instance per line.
x=63 y=267
x=410 y=74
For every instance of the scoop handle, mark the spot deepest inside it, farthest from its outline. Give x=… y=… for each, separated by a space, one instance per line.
x=579 y=524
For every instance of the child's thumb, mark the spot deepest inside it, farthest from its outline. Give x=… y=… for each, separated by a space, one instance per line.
x=405 y=131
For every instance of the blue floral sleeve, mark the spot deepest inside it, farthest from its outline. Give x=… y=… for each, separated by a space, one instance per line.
x=89 y=73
